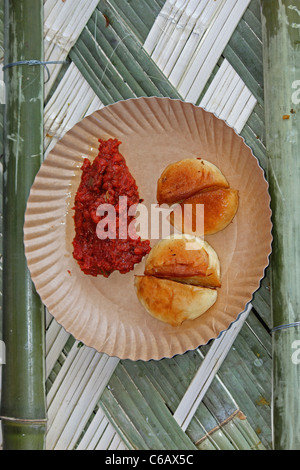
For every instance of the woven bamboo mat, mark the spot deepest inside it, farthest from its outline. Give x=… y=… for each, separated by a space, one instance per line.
x=208 y=53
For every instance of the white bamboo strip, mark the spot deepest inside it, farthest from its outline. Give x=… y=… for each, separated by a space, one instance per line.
x=229 y=98
x=76 y=362
x=67 y=106
x=63 y=24
x=51 y=333
x=73 y=376
x=159 y=25
x=205 y=19
x=193 y=13
x=94 y=431
x=234 y=90
x=48 y=318
x=121 y=446
x=175 y=37
x=207 y=372
x=179 y=25
x=221 y=92
x=243 y=116
x=90 y=396
x=56 y=338
x=74 y=395
x=106 y=439
x=210 y=49
x=169 y=28
x=115 y=443
x=100 y=425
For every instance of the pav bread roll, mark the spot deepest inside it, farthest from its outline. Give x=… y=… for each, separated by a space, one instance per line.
x=173 y=302
x=185 y=259
x=220 y=207
x=187 y=177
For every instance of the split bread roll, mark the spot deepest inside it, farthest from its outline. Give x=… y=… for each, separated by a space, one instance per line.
x=220 y=207
x=196 y=182
x=185 y=178
x=173 y=302
x=186 y=259
x=180 y=279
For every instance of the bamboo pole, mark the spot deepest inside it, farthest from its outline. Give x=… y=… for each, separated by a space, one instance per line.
x=281 y=41
x=23 y=396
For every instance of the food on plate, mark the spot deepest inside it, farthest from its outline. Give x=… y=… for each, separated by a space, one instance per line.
x=187 y=177
x=220 y=207
x=186 y=259
x=205 y=202
x=173 y=302
x=103 y=182
x=180 y=279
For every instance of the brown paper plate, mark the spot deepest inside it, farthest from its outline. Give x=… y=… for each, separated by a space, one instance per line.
x=105 y=313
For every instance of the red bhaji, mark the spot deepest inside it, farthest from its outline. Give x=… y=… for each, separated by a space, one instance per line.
x=102 y=182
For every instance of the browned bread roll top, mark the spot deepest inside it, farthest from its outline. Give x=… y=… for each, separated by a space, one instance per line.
x=180 y=279
x=194 y=182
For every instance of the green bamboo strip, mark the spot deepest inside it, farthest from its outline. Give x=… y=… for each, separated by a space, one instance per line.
x=281 y=22
x=246 y=391
x=234 y=434
x=244 y=50
x=246 y=37
x=103 y=70
x=140 y=14
x=256 y=145
x=115 y=52
x=83 y=65
x=257 y=359
x=172 y=377
x=206 y=444
x=120 y=56
x=256 y=122
x=253 y=22
x=254 y=7
x=247 y=431
x=117 y=33
x=149 y=419
x=109 y=68
x=260 y=331
x=218 y=439
x=23 y=395
x=162 y=422
x=136 y=11
x=117 y=415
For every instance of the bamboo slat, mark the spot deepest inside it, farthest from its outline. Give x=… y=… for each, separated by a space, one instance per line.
x=2 y=101
x=63 y=23
x=281 y=23
x=23 y=394
x=85 y=374
x=215 y=39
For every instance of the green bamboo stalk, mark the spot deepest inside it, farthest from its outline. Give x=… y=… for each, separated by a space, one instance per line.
x=23 y=396
x=281 y=40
